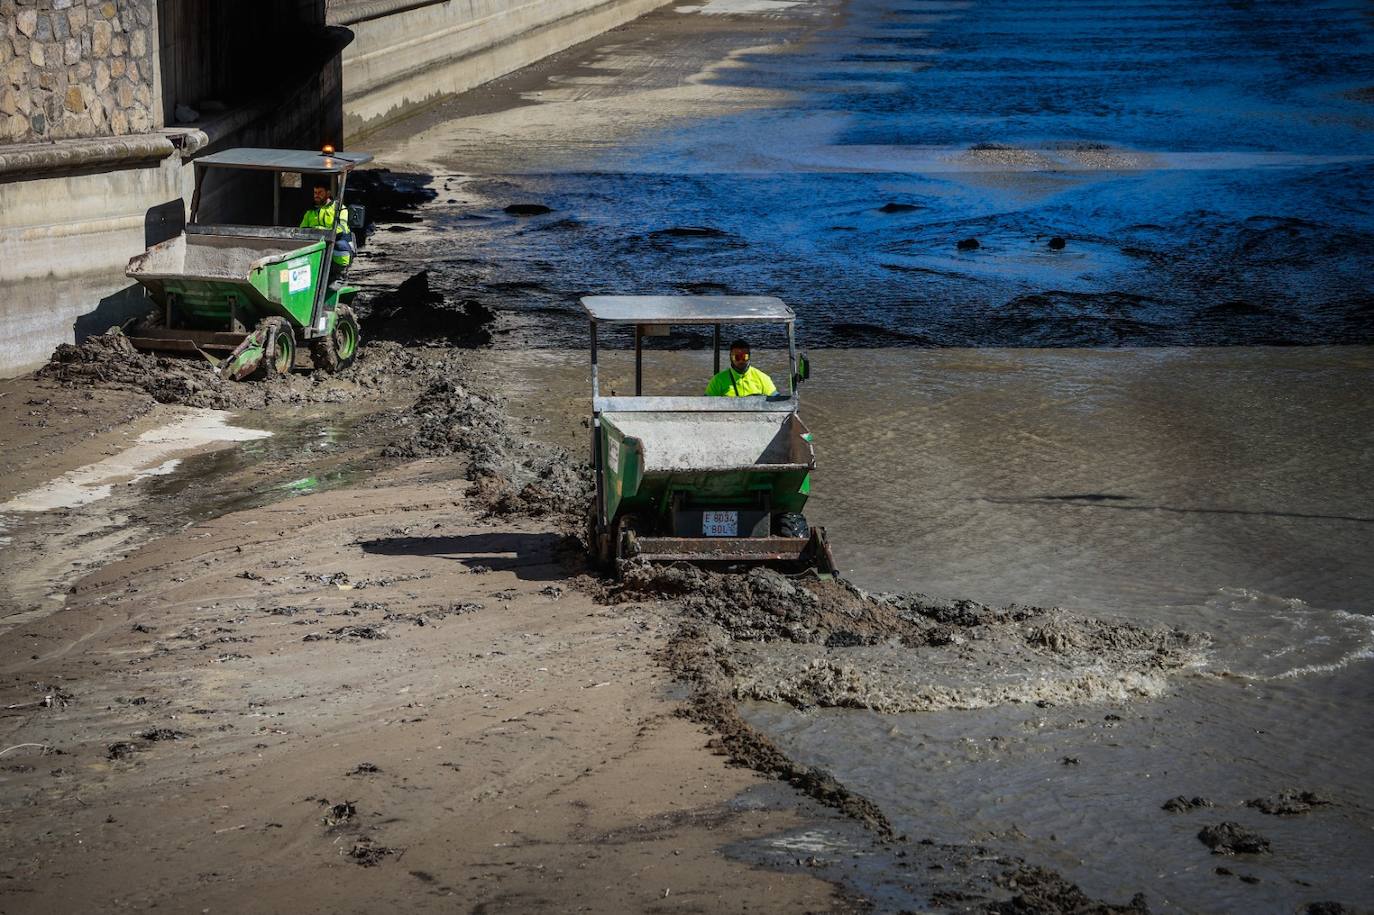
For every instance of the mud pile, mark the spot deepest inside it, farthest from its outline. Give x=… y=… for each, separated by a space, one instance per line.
x=513 y=476
x=414 y=313
x=111 y=361
x=812 y=643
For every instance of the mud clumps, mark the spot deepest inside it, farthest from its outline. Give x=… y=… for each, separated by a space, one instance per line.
x=367 y=853
x=1231 y=838
x=810 y=643
x=156 y=734
x=764 y=606
x=1043 y=892
x=415 y=313
x=689 y=657
x=511 y=476
x=1289 y=802
x=1183 y=804
x=110 y=361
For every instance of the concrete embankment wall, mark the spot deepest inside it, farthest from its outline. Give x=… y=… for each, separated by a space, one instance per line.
x=409 y=54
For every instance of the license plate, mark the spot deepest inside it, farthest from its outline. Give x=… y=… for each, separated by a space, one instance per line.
x=720 y=524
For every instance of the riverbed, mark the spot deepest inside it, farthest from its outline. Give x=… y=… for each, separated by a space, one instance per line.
x=1086 y=293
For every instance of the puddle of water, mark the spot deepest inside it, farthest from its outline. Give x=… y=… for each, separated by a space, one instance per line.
x=146 y=458
x=251 y=468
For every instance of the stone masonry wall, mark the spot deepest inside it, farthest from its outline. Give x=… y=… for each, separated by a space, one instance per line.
x=77 y=68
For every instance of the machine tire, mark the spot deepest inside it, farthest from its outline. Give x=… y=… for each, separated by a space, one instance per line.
x=337 y=350
x=598 y=546
x=793 y=524
x=323 y=354
x=280 y=354
x=345 y=338
x=627 y=538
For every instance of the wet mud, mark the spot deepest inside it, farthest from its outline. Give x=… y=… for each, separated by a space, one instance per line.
x=829 y=644
x=720 y=609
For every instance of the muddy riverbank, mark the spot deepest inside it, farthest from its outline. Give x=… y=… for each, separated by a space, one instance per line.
x=359 y=663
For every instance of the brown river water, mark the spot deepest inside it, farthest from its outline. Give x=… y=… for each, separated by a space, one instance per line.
x=1221 y=489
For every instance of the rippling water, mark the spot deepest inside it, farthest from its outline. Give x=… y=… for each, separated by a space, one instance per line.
x=1225 y=490
x=1208 y=166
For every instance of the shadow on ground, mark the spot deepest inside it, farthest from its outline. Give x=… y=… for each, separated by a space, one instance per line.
x=532 y=557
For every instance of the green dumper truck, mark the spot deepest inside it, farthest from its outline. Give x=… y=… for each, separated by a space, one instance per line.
x=248 y=290
x=719 y=480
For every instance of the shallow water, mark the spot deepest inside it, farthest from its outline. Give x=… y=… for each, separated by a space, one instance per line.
x=46 y=551
x=1208 y=166
x=1223 y=490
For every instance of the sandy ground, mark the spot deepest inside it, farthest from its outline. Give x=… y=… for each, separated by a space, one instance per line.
x=524 y=741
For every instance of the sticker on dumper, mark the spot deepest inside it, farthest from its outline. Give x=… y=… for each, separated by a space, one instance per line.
x=615 y=456
x=720 y=524
x=298 y=279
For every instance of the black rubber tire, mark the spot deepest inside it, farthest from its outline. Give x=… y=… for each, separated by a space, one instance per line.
x=598 y=546
x=323 y=354
x=281 y=356
x=345 y=338
x=792 y=524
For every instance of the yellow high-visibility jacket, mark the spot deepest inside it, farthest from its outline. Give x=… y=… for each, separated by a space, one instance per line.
x=731 y=383
x=323 y=217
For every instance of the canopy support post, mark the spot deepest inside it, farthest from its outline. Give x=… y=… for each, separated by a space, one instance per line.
x=639 y=360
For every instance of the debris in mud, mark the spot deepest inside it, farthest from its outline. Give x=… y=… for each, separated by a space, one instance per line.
x=140 y=627
x=155 y=734
x=54 y=697
x=368 y=853
x=1043 y=892
x=968 y=244
x=1327 y=908
x=354 y=633
x=527 y=209
x=339 y=814
x=1231 y=838
x=341 y=580
x=1057 y=243
x=223 y=640
x=121 y=750
x=1183 y=804
x=1289 y=802
x=434 y=614
x=365 y=768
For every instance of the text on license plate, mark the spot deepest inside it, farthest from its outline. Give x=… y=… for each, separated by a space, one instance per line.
x=720 y=524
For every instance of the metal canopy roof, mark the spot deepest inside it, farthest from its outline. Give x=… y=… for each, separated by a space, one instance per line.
x=686 y=309
x=287 y=160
